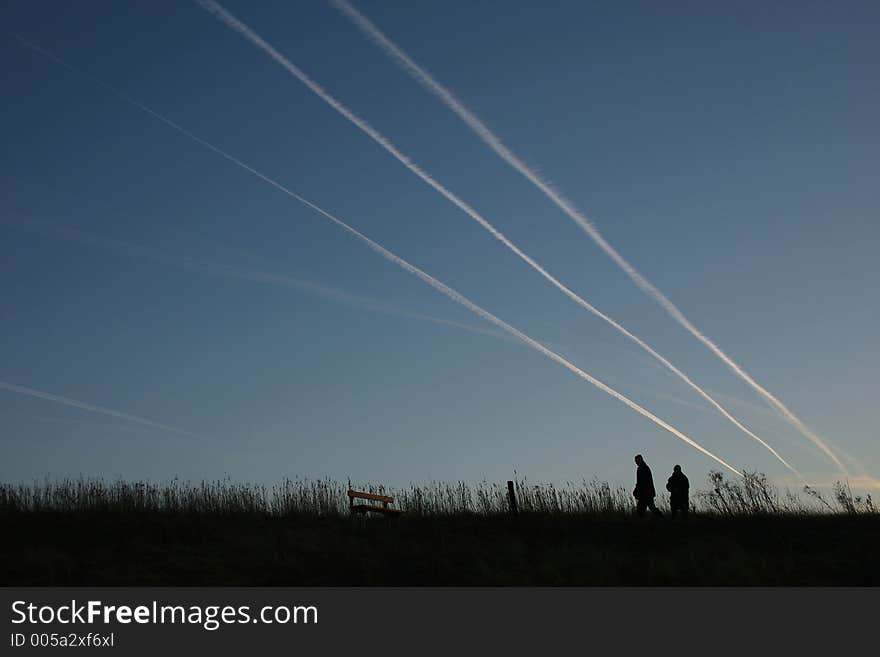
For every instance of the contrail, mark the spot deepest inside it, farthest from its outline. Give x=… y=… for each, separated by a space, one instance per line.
x=66 y=233
x=30 y=392
x=485 y=314
x=231 y=21
x=388 y=255
x=494 y=142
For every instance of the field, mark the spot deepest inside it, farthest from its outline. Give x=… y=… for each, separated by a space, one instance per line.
x=87 y=532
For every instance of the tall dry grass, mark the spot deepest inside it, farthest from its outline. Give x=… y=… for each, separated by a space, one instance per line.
x=751 y=495
x=755 y=495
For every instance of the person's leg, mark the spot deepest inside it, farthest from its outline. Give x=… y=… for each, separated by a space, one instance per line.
x=654 y=508
x=641 y=505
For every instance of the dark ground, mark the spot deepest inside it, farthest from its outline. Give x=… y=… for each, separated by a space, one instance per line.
x=45 y=548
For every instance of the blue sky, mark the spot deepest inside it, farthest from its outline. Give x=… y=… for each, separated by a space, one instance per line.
x=728 y=152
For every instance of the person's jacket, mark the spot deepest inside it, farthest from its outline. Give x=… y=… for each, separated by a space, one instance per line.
x=678 y=485
x=644 y=483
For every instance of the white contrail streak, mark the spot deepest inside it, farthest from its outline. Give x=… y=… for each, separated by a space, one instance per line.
x=66 y=233
x=485 y=314
x=494 y=142
x=388 y=255
x=30 y=392
x=231 y=21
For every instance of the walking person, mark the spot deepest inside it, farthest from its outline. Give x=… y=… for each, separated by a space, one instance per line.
x=644 y=491
x=678 y=487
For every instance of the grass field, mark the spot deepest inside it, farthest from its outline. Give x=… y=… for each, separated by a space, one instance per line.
x=87 y=532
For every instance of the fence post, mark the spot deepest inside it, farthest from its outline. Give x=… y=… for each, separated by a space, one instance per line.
x=511 y=498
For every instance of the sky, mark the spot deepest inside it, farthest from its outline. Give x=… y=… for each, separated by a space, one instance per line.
x=727 y=151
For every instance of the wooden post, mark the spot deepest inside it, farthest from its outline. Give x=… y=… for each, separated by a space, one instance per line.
x=511 y=498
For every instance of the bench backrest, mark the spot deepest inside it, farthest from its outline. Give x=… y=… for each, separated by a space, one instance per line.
x=385 y=499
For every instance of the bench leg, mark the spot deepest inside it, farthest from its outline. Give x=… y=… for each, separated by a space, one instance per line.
x=359 y=519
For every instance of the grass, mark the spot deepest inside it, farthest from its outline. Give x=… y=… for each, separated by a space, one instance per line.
x=298 y=532
x=751 y=495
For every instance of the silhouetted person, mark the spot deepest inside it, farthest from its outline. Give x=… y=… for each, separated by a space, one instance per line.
x=644 y=491
x=678 y=487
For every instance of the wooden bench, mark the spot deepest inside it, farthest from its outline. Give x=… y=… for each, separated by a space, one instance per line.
x=365 y=508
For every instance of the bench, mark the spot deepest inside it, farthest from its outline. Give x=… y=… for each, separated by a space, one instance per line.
x=366 y=507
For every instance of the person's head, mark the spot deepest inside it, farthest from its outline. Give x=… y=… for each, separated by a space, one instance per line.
x=677 y=468
x=639 y=459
